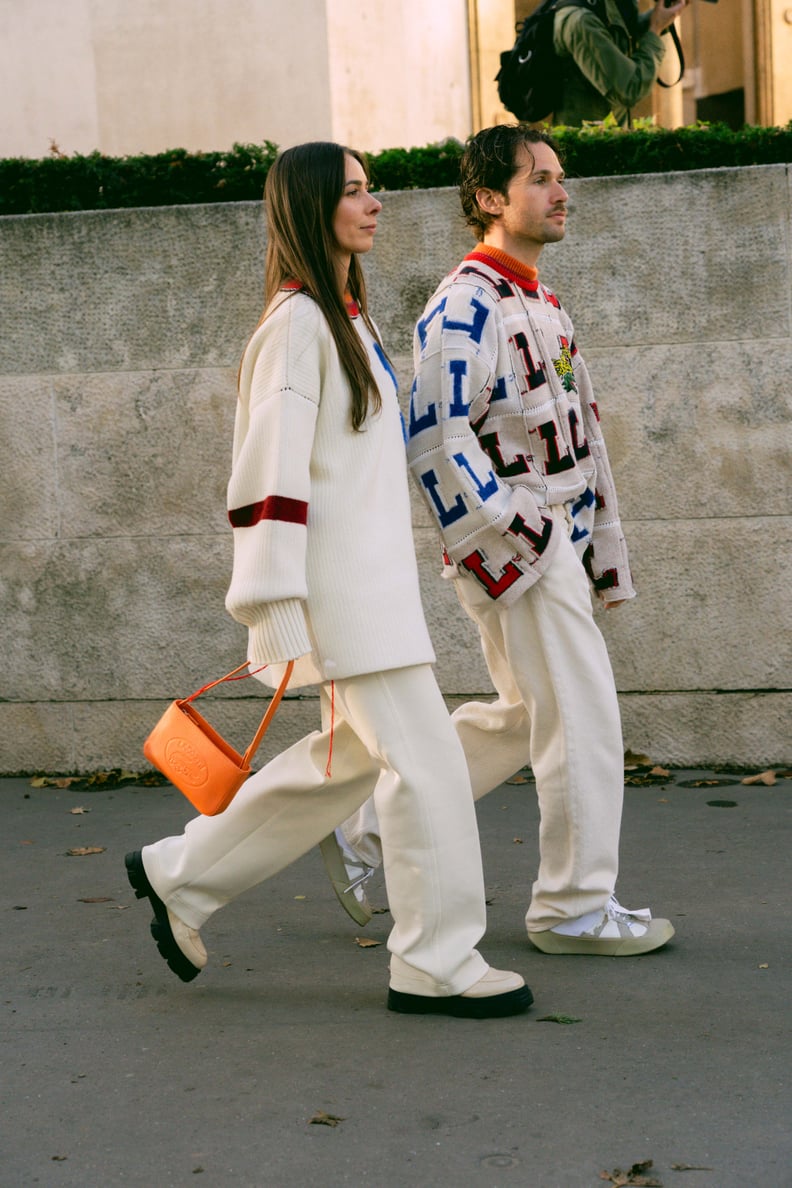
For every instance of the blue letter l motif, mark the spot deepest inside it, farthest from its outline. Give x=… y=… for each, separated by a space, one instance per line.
x=485 y=490
x=446 y=515
x=475 y=328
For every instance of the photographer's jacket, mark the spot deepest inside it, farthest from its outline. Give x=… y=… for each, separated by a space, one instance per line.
x=324 y=561
x=608 y=65
x=503 y=425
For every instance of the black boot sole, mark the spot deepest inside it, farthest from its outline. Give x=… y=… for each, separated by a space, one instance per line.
x=497 y=1006
x=160 y=925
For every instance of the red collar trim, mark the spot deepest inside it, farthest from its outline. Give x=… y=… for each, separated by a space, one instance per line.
x=352 y=307
x=522 y=274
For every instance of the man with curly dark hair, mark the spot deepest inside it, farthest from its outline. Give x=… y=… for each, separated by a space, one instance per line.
x=506 y=447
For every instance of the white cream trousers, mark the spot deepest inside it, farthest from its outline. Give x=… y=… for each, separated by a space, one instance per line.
x=556 y=710
x=392 y=734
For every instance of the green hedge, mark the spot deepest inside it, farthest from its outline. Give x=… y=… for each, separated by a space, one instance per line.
x=96 y=182
x=176 y=177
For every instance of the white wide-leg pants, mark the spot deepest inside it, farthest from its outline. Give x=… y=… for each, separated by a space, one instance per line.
x=556 y=710
x=392 y=737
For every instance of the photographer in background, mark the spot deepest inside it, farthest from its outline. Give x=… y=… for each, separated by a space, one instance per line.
x=609 y=65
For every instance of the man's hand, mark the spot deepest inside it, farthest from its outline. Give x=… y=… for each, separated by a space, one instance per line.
x=662 y=18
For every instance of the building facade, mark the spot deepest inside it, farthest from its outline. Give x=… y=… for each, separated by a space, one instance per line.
x=84 y=75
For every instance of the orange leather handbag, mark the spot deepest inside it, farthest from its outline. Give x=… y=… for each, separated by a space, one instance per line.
x=198 y=760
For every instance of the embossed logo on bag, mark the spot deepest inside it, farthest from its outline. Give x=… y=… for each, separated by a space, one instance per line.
x=186 y=762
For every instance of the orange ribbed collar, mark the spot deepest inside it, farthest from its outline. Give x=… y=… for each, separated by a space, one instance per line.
x=507 y=265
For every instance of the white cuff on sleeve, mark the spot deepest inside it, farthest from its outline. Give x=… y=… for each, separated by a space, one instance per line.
x=278 y=632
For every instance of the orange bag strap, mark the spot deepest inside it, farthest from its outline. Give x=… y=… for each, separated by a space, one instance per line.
x=229 y=676
x=269 y=715
x=273 y=705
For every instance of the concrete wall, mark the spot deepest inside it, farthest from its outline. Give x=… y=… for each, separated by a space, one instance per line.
x=121 y=335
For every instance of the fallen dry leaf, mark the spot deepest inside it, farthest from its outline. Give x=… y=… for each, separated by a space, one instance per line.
x=109 y=779
x=78 y=810
x=559 y=1019
x=105 y=780
x=646 y=773
x=81 y=851
x=96 y=899
x=634 y=1177
x=323 y=1119
x=765 y=965
x=366 y=943
x=518 y=779
x=689 y=1167
x=764 y=777
x=636 y=759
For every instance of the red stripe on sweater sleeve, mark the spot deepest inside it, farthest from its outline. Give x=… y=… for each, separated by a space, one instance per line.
x=274 y=507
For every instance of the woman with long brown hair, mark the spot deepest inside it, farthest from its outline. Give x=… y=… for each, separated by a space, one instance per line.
x=324 y=573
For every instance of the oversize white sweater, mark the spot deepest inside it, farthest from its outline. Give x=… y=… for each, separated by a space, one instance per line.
x=324 y=561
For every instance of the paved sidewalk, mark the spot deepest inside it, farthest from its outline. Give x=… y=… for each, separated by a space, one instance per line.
x=115 y=1073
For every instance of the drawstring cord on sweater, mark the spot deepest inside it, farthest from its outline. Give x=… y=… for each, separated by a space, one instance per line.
x=328 y=769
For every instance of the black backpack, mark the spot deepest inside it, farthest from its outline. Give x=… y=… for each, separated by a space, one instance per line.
x=531 y=76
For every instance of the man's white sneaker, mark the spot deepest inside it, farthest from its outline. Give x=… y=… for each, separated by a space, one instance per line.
x=349 y=875
x=612 y=931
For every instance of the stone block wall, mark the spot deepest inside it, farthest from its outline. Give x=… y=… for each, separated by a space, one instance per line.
x=122 y=332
